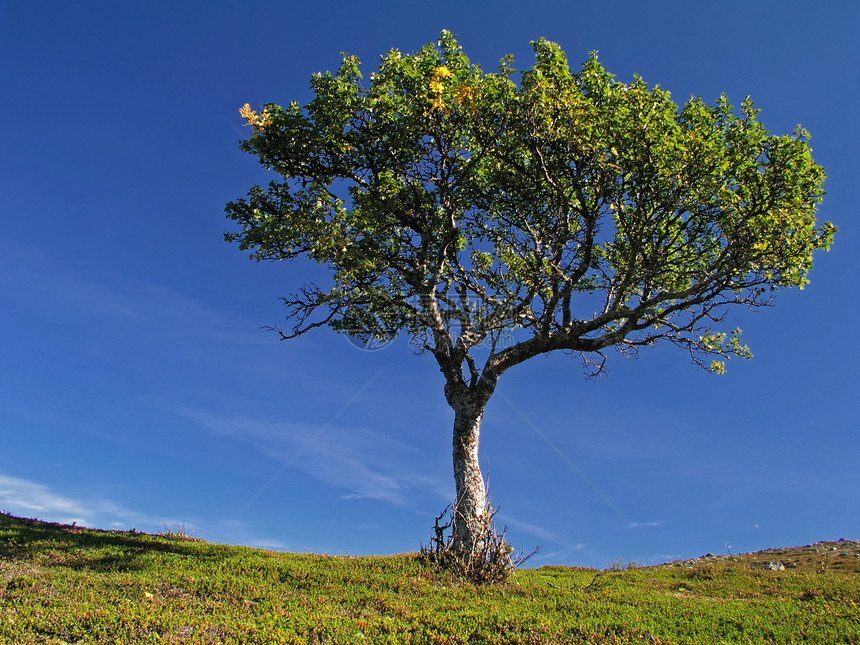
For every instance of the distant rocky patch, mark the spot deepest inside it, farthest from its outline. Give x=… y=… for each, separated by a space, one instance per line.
x=842 y=555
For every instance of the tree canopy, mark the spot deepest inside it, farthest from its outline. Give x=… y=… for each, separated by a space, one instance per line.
x=589 y=212
x=580 y=212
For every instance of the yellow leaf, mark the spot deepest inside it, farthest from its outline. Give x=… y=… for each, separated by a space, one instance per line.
x=466 y=96
x=442 y=72
x=439 y=104
x=248 y=114
x=256 y=121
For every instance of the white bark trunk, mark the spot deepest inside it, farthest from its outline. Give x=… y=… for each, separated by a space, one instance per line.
x=470 y=521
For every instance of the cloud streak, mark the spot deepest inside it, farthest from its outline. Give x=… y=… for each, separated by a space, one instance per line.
x=308 y=443
x=566 y=459
x=28 y=498
x=365 y=463
x=24 y=497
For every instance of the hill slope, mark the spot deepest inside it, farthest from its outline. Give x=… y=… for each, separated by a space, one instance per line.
x=66 y=584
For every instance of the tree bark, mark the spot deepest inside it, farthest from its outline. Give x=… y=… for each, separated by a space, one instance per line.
x=470 y=507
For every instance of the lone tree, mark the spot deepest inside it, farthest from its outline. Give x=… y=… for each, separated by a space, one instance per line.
x=497 y=217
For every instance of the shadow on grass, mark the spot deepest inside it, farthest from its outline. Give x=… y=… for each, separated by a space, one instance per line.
x=90 y=549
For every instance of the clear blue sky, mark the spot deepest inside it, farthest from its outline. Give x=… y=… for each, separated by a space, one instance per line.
x=137 y=388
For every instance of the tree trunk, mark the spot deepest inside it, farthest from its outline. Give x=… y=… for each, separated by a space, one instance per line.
x=470 y=507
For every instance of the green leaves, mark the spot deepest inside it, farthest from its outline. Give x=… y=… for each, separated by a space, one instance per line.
x=724 y=345
x=606 y=212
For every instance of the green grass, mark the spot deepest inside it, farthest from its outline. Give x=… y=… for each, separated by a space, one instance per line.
x=64 y=584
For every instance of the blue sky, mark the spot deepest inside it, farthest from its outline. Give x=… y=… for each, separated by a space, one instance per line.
x=137 y=388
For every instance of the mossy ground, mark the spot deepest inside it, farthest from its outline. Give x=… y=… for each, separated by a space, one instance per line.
x=64 y=584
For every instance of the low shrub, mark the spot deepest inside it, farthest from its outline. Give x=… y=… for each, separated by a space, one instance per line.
x=492 y=562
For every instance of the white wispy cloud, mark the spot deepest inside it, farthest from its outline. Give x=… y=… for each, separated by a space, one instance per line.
x=660 y=558
x=540 y=532
x=565 y=556
x=238 y=532
x=266 y=543
x=365 y=463
x=28 y=498
x=639 y=525
x=554 y=548
x=25 y=497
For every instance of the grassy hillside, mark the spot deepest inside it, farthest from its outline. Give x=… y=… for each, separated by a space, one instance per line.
x=65 y=584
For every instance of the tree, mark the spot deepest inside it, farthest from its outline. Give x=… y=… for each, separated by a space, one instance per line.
x=496 y=219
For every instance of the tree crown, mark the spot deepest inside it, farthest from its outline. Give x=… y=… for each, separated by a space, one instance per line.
x=584 y=212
